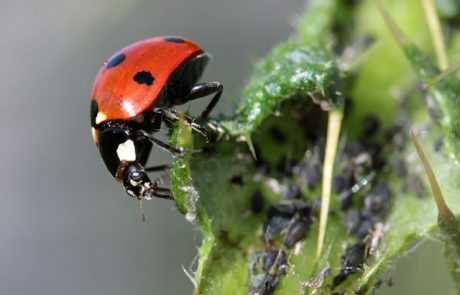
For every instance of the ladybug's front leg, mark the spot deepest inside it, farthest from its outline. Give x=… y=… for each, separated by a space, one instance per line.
x=160 y=192
x=201 y=90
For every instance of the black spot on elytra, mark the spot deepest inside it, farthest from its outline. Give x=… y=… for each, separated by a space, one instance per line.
x=94 y=111
x=144 y=77
x=174 y=40
x=115 y=61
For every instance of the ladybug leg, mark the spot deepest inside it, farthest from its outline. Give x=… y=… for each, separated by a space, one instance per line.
x=166 y=146
x=172 y=115
x=161 y=192
x=201 y=90
x=162 y=196
x=158 y=168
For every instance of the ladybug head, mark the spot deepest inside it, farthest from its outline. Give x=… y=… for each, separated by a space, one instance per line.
x=136 y=182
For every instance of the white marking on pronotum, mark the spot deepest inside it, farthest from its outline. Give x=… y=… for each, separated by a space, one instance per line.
x=126 y=151
x=100 y=117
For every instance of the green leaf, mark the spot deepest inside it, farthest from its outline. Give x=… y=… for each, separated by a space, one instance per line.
x=282 y=114
x=293 y=69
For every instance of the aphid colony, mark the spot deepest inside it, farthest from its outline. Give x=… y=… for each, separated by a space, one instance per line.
x=364 y=198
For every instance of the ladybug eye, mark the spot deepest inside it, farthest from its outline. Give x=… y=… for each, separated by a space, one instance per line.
x=144 y=77
x=136 y=176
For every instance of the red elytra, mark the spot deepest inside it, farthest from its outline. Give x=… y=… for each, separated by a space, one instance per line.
x=118 y=95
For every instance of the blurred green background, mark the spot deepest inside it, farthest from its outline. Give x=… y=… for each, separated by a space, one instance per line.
x=66 y=226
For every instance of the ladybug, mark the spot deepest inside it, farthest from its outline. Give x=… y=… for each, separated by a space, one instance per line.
x=135 y=92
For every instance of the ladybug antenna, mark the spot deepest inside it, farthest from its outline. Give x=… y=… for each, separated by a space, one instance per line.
x=141 y=208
